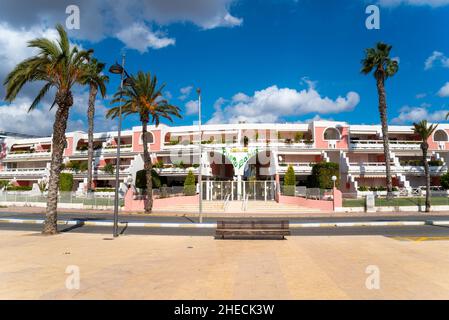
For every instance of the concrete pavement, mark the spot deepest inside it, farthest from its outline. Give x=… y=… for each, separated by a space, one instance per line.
x=161 y=267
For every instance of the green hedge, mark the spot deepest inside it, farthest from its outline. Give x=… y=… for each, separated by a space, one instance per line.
x=189 y=184
x=290 y=182
x=141 y=179
x=444 y=180
x=322 y=173
x=66 y=182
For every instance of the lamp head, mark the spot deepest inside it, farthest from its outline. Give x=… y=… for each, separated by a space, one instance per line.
x=116 y=69
x=334 y=178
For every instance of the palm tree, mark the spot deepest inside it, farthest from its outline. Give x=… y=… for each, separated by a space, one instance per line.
x=143 y=97
x=58 y=66
x=425 y=131
x=378 y=59
x=96 y=80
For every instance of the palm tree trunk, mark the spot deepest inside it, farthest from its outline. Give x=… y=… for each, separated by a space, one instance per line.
x=424 y=148
x=384 y=122
x=90 y=117
x=148 y=166
x=64 y=101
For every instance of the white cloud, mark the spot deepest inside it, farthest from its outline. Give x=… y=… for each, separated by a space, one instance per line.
x=185 y=92
x=191 y=107
x=112 y=18
x=444 y=91
x=408 y=115
x=435 y=58
x=15 y=117
x=421 y=95
x=431 y=3
x=141 y=38
x=273 y=104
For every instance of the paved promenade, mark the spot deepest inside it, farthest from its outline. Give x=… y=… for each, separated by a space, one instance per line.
x=164 y=267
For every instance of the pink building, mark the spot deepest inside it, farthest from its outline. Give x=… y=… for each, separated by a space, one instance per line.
x=239 y=153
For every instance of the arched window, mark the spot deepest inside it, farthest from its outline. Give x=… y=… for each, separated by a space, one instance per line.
x=150 y=137
x=440 y=135
x=331 y=134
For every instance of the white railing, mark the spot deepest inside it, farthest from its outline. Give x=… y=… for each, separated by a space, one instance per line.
x=245 y=202
x=379 y=167
x=173 y=170
x=226 y=202
x=35 y=154
x=297 y=166
x=22 y=171
x=378 y=144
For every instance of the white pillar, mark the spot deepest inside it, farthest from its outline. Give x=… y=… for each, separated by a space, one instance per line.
x=239 y=187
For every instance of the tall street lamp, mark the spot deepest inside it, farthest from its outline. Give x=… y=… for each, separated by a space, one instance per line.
x=200 y=174
x=119 y=69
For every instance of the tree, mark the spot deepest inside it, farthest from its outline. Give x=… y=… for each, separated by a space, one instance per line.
x=378 y=59
x=189 y=184
x=141 y=179
x=58 y=66
x=96 y=80
x=444 y=180
x=290 y=182
x=144 y=98
x=66 y=184
x=322 y=173
x=425 y=131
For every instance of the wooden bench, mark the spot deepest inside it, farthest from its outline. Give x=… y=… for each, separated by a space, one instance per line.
x=252 y=229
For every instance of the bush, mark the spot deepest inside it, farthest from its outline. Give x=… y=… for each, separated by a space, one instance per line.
x=19 y=188
x=444 y=180
x=66 y=182
x=298 y=137
x=141 y=179
x=289 y=182
x=109 y=168
x=189 y=184
x=104 y=190
x=322 y=173
x=435 y=163
x=4 y=183
x=363 y=188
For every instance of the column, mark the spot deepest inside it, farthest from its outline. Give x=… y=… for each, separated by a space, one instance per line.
x=239 y=187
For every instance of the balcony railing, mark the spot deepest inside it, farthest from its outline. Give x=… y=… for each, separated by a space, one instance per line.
x=379 y=167
x=299 y=167
x=22 y=171
x=378 y=144
x=26 y=154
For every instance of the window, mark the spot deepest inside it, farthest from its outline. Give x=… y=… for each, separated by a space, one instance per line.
x=440 y=135
x=331 y=134
x=150 y=137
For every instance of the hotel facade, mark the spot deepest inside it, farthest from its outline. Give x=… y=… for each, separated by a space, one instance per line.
x=237 y=153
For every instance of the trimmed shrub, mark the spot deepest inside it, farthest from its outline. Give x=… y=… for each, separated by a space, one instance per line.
x=189 y=184
x=322 y=173
x=444 y=180
x=109 y=168
x=290 y=182
x=65 y=182
x=141 y=179
x=19 y=188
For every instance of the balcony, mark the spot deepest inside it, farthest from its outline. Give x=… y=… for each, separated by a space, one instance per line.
x=299 y=167
x=379 y=145
x=21 y=172
x=105 y=150
x=28 y=154
x=380 y=168
x=172 y=170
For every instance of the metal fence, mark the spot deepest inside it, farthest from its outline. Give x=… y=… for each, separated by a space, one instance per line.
x=308 y=193
x=437 y=198
x=88 y=200
x=239 y=190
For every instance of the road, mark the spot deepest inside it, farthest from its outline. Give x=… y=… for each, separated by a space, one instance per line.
x=390 y=231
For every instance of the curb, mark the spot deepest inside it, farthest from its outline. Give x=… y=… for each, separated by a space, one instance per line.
x=213 y=225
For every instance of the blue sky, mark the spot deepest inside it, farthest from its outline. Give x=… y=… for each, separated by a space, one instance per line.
x=266 y=60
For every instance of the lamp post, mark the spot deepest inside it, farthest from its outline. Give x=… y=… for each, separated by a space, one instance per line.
x=200 y=174
x=334 y=179
x=118 y=69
